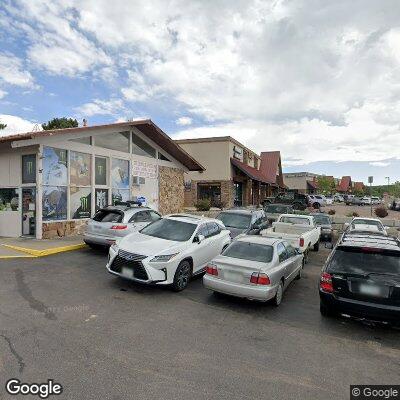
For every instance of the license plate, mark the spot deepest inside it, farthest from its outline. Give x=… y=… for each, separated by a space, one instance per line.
x=372 y=290
x=127 y=272
x=231 y=276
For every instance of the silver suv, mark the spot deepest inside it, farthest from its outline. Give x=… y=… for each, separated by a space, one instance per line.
x=114 y=222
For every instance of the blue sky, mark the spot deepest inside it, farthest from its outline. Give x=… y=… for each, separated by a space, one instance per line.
x=316 y=80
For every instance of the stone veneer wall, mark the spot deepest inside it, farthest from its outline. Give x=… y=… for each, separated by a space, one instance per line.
x=171 y=190
x=65 y=228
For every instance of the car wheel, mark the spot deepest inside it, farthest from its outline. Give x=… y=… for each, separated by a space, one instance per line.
x=326 y=311
x=182 y=276
x=316 y=246
x=277 y=300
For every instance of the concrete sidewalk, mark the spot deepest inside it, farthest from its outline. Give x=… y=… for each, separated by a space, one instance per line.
x=28 y=247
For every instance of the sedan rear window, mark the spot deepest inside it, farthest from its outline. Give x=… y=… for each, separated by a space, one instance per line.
x=170 y=229
x=364 y=261
x=250 y=251
x=276 y=209
x=232 y=220
x=108 y=216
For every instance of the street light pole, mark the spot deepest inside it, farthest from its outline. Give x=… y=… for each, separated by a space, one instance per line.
x=388 y=179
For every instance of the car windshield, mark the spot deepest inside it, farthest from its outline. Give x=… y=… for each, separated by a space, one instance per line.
x=295 y=220
x=364 y=261
x=235 y=220
x=273 y=209
x=249 y=251
x=108 y=216
x=322 y=220
x=170 y=229
x=367 y=222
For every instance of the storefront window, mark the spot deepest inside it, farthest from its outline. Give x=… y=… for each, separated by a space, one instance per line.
x=114 y=141
x=29 y=168
x=80 y=169
x=101 y=171
x=9 y=200
x=101 y=198
x=142 y=148
x=119 y=174
x=55 y=170
x=80 y=202
x=210 y=192
x=54 y=203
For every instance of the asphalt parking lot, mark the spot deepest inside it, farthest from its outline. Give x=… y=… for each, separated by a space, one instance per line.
x=64 y=317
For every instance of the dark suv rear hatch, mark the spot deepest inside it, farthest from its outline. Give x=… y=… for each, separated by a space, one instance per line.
x=366 y=274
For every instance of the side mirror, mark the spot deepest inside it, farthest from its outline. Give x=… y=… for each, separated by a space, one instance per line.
x=198 y=239
x=329 y=245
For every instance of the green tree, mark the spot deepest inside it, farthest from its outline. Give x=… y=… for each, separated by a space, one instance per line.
x=326 y=185
x=2 y=126
x=60 y=123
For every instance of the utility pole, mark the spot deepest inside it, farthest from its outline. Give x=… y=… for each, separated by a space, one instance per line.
x=388 y=180
x=370 y=180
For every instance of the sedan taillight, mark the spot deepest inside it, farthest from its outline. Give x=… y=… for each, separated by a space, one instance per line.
x=301 y=243
x=119 y=227
x=325 y=282
x=259 y=279
x=212 y=270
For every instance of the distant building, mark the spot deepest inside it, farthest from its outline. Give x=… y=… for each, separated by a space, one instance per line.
x=302 y=182
x=234 y=174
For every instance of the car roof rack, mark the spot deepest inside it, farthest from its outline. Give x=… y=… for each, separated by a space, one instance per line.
x=128 y=203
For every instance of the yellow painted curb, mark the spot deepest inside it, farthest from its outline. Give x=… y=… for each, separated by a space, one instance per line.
x=8 y=257
x=45 y=252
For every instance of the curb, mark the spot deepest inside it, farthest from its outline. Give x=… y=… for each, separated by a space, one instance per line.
x=43 y=253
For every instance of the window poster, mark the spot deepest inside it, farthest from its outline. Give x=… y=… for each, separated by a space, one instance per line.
x=80 y=169
x=54 y=203
x=120 y=195
x=55 y=171
x=80 y=201
x=119 y=174
x=101 y=198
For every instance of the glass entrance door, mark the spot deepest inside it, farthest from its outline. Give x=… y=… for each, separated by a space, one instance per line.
x=28 y=211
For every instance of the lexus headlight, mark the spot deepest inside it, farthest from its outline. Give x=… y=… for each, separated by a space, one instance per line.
x=164 y=258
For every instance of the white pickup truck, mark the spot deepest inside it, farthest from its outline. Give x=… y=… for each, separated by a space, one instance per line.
x=299 y=230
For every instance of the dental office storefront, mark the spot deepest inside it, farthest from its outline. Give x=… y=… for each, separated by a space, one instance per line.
x=52 y=182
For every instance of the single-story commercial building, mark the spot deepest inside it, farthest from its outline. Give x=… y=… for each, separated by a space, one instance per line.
x=52 y=181
x=234 y=175
x=301 y=182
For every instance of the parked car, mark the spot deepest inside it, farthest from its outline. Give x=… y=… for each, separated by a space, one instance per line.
x=329 y=200
x=325 y=223
x=256 y=268
x=316 y=201
x=299 y=201
x=366 y=200
x=338 y=198
x=240 y=220
x=114 y=222
x=354 y=201
x=376 y=200
x=372 y=225
x=361 y=278
x=273 y=211
x=169 y=251
x=300 y=231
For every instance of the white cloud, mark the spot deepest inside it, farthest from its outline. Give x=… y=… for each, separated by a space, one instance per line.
x=102 y=107
x=317 y=81
x=15 y=125
x=3 y=93
x=379 y=164
x=13 y=73
x=184 y=121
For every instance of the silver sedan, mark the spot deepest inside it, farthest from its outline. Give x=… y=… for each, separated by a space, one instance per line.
x=254 y=267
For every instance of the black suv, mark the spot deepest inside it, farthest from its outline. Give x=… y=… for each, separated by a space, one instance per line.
x=297 y=200
x=361 y=278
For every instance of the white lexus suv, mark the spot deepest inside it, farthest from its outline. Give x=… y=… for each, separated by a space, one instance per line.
x=169 y=251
